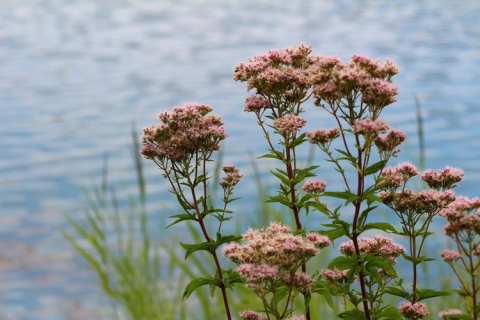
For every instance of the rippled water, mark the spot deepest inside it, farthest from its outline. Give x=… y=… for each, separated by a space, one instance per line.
x=74 y=76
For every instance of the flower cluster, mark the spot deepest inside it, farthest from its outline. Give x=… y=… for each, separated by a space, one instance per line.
x=276 y=246
x=386 y=143
x=314 y=187
x=450 y=256
x=395 y=177
x=334 y=275
x=289 y=124
x=442 y=179
x=463 y=215
x=231 y=178
x=274 y=253
x=323 y=137
x=417 y=202
x=334 y=81
x=183 y=132
x=253 y=315
x=445 y=314
x=378 y=245
x=256 y=104
x=369 y=127
x=269 y=259
x=414 y=311
x=281 y=74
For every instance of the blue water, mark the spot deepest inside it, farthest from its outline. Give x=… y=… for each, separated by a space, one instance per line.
x=74 y=76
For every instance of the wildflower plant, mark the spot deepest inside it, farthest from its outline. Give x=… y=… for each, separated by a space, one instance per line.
x=463 y=228
x=273 y=262
x=181 y=146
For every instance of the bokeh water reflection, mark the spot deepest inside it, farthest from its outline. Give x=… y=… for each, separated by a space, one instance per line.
x=74 y=76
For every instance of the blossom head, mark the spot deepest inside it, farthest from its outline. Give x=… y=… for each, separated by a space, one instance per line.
x=231 y=178
x=289 y=124
x=283 y=74
x=413 y=311
x=378 y=245
x=314 y=187
x=183 y=132
x=334 y=275
x=442 y=179
x=445 y=314
x=323 y=137
x=450 y=256
x=251 y=315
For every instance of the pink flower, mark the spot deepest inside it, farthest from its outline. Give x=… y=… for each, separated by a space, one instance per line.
x=183 y=132
x=334 y=275
x=322 y=136
x=318 y=240
x=389 y=141
x=314 y=187
x=301 y=281
x=257 y=272
x=251 y=315
x=369 y=127
x=414 y=311
x=378 y=245
x=256 y=104
x=232 y=177
x=289 y=124
x=450 y=256
x=445 y=314
x=442 y=179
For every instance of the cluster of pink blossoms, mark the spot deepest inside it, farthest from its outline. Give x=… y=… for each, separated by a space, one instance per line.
x=323 y=137
x=334 y=80
x=430 y=201
x=289 y=124
x=253 y=315
x=183 y=132
x=395 y=177
x=445 y=314
x=414 y=311
x=314 y=187
x=231 y=178
x=463 y=215
x=334 y=275
x=369 y=127
x=450 y=256
x=442 y=179
x=275 y=254
x=278 y=73
x=378 y=245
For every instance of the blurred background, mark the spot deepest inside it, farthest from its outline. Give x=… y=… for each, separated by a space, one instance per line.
x=77 y=75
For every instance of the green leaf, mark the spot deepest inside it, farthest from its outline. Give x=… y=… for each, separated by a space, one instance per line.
x=226 y=239
x=299 y=140
x=423 y=294
x=347 y=156
x=389 y=313
x=231 y=277
x=323 y=288
x=346 y=195
x=375 y=167
x=394 y=291
x=280 y=175
x=384 y=226
x=193 y=285
x=180 y=218
x=342 y=263
x=191 y=248
x=352 y=315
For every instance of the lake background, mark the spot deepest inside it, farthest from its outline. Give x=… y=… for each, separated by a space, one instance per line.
x=75 y=75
